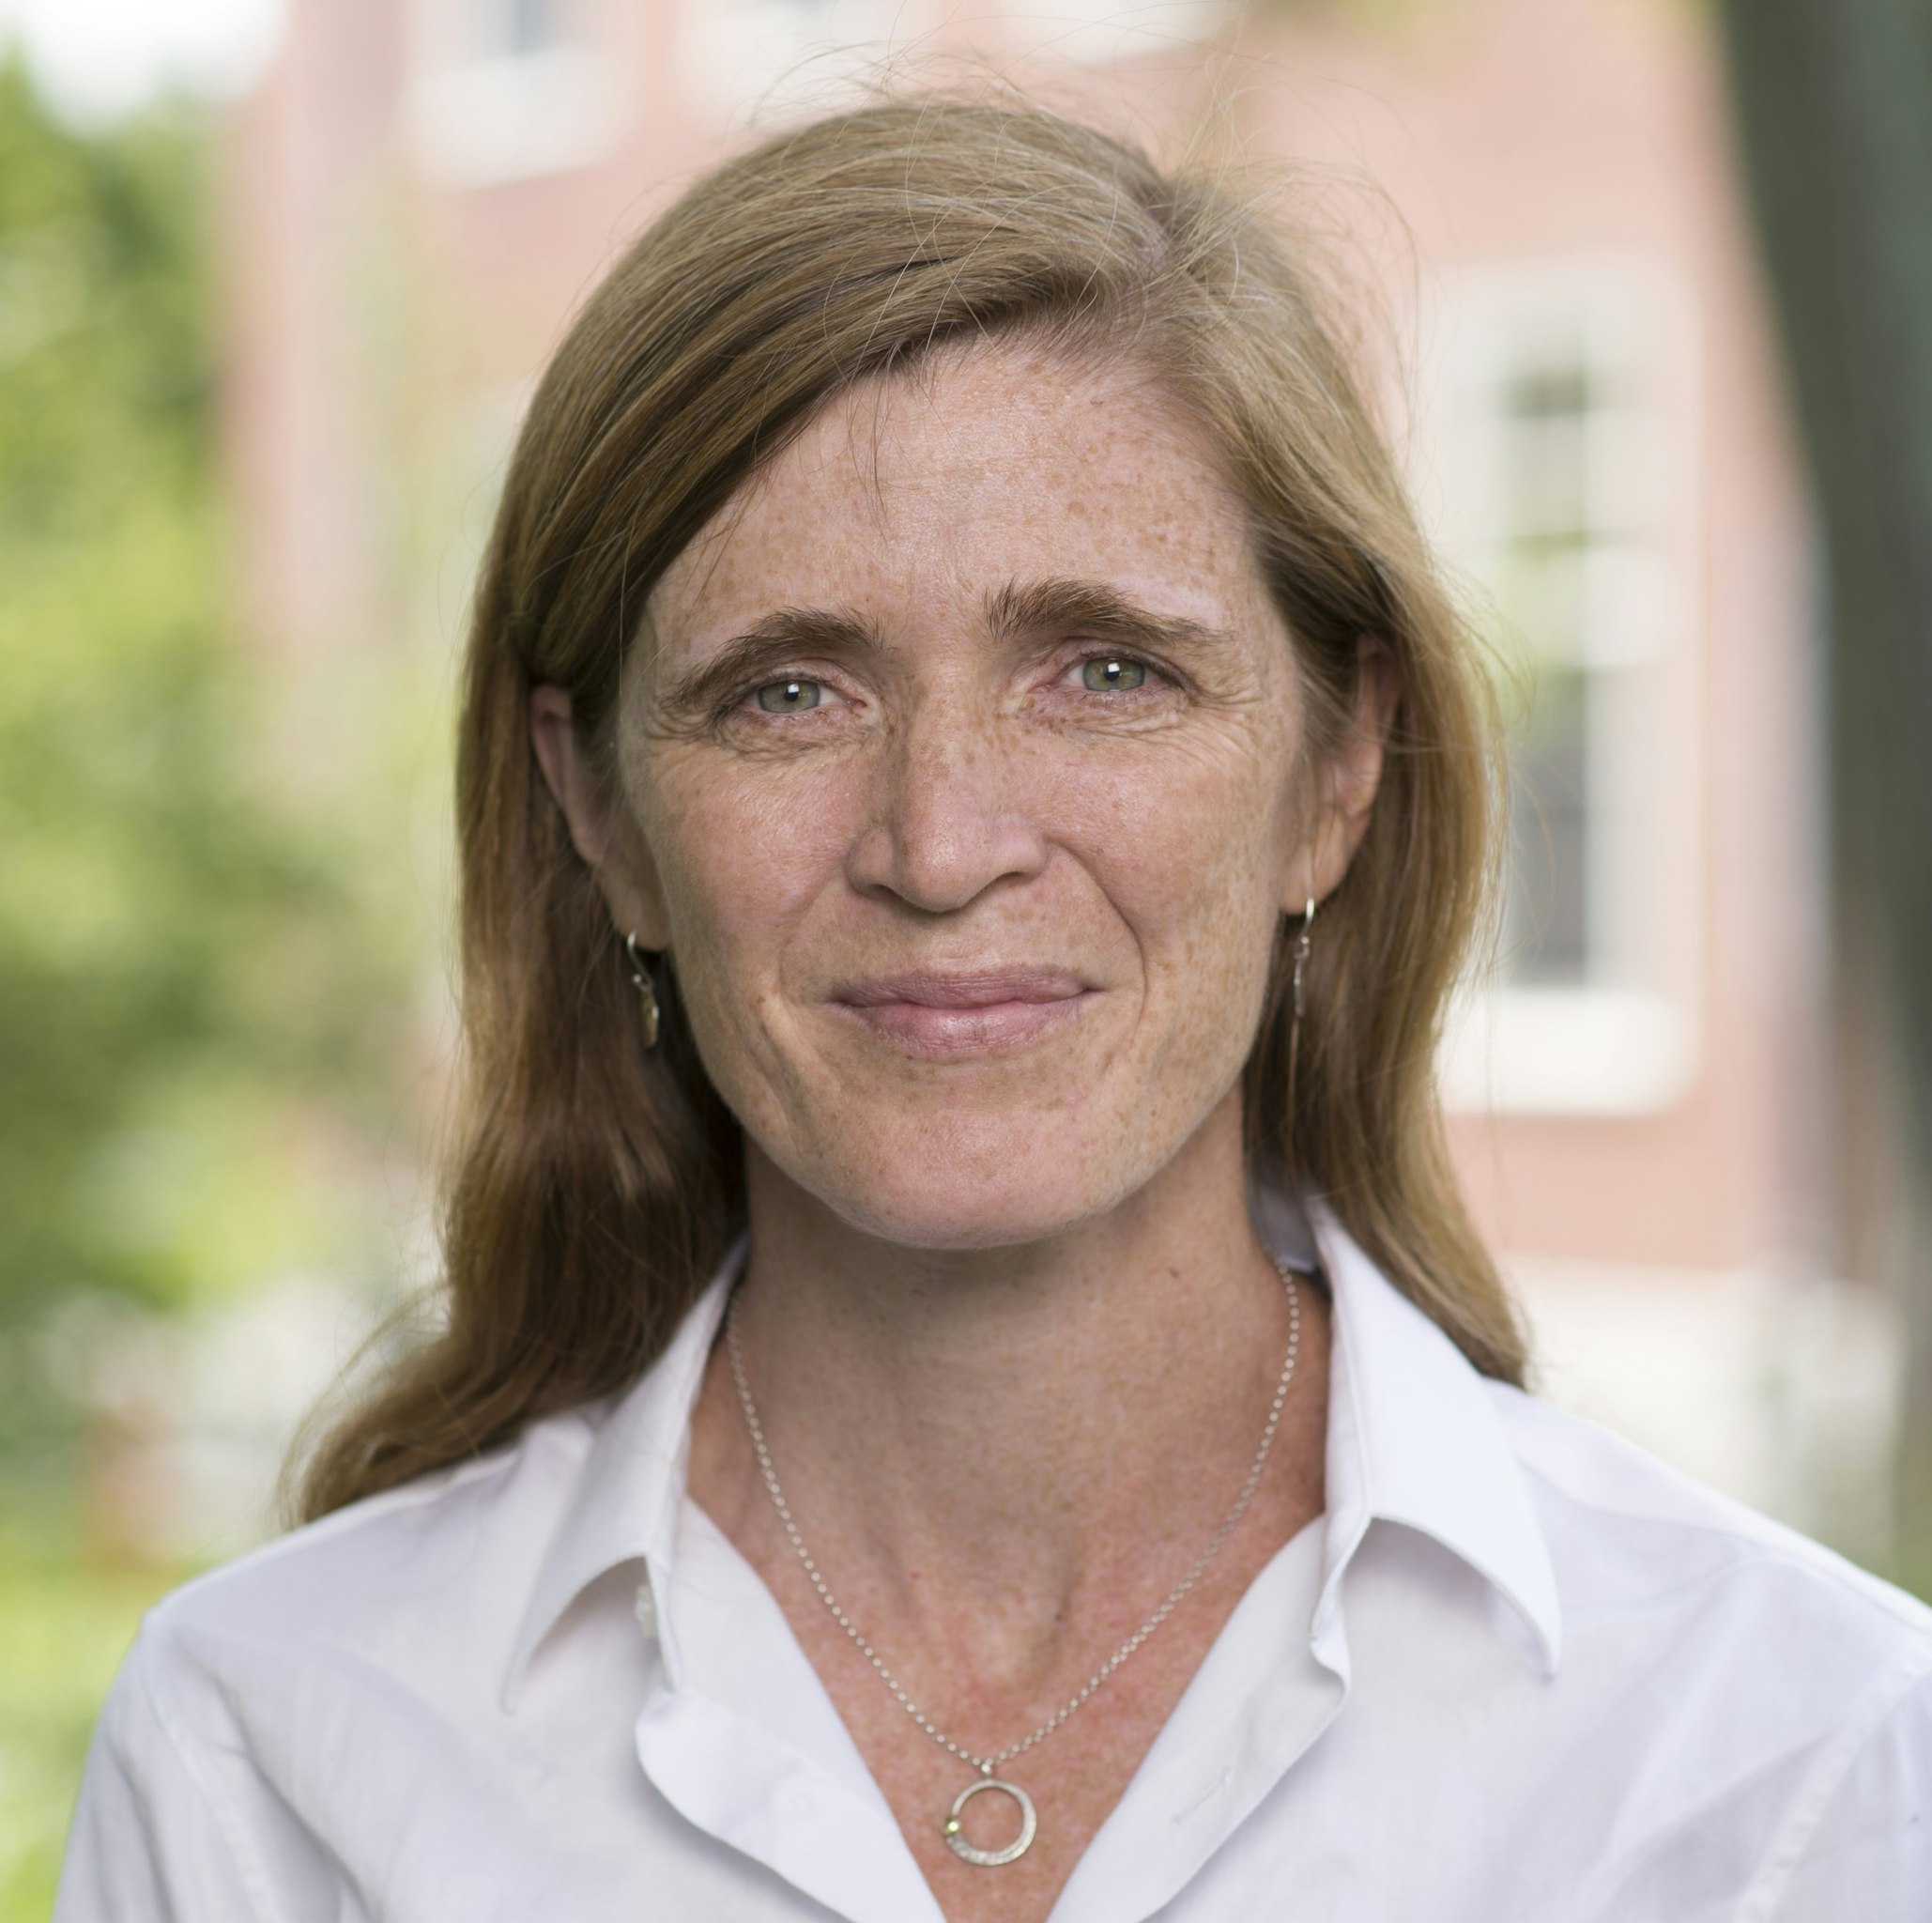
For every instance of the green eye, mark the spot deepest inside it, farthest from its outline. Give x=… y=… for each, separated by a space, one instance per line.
x=789 y=697
x=1106 y=672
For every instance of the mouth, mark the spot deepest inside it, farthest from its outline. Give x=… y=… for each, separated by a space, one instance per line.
x=947 y=1016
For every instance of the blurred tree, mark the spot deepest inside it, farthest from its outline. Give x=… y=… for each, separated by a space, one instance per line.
x=185 y=971
x=1835 y=106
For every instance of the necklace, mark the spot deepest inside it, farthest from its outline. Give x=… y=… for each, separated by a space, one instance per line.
x=951 y=1828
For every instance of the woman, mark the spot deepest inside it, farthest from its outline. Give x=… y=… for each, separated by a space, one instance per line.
x=969 y=1388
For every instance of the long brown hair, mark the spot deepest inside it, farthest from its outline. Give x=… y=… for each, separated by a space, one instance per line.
x=594 y=1187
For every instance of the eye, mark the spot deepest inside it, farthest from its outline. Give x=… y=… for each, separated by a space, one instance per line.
x=1104 y=672
x=790 y=696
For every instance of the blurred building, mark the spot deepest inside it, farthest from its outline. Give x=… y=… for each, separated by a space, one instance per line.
x=1642 y=1090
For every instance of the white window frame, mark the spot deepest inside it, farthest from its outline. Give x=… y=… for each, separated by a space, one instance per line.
x=480 y=114
x=1626 y=1039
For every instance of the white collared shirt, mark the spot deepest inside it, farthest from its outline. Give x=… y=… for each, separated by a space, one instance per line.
x=1517 y=1670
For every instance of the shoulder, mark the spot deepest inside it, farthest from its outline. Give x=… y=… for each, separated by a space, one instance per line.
x=430 y=1575
x=295 y=1693
x=1636 y=1542
x=1716 y=1661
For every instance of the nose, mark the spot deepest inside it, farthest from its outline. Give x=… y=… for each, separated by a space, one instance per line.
x=947 y=819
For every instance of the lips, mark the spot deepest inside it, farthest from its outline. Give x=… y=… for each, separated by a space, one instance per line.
x=945 y=1016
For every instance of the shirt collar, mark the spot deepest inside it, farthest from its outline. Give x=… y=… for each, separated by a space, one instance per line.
x=1414 y=1438
x=625 y=1505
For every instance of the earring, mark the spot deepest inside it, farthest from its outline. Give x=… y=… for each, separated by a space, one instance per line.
x=1301 y=948
x=640 y=975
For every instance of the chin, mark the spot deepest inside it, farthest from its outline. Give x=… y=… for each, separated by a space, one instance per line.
x=992 y=1186
x=953 y=1219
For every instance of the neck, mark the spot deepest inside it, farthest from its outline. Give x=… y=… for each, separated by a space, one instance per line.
x=1007 y=1429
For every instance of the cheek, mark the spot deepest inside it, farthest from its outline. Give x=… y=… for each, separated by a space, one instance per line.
x=743 y=861
x=1186 y=859
x=1184 y=840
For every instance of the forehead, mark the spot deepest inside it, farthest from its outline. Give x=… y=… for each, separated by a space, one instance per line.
x=991 y=465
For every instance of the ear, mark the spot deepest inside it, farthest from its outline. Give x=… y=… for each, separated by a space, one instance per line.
x=1350 y=779
x=603 y=828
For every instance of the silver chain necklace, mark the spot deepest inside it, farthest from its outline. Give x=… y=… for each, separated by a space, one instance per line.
x=951 y=1828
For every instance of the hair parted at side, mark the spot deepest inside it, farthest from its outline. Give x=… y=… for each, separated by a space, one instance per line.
x=594 y=1187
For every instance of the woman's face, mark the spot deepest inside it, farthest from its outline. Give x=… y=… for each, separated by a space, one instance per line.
x=957 y=764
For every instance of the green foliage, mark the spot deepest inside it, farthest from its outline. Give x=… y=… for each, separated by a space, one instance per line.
x=188 y=977
x=65 y=1623
x=203 y=996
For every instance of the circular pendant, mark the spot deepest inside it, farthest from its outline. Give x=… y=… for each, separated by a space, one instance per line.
x=955 y=1835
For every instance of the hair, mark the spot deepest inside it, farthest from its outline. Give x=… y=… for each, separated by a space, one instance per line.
x=594 y=1187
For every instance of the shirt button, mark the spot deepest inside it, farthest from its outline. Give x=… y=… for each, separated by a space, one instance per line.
x=801 y=1802
x=646 y=1610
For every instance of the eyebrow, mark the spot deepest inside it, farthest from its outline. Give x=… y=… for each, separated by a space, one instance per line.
x=1014 y=613
x=1062 y=605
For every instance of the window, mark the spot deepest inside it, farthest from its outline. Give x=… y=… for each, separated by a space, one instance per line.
x=1550 y=527
x=505 y=89
x=523 y=28
x=1561 y=431
x=1102 y=33
x=761 y=54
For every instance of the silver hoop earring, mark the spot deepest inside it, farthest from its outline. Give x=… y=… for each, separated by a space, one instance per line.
x=1302 y=949
x=640 y=975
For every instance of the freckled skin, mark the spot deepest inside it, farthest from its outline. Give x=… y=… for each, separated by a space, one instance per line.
x=1011 y=1334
